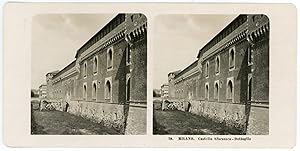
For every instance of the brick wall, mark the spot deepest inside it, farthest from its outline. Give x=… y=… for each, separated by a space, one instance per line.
x=261 y=71
x=236 y=112
x=239 y=75
x=111 y=115
x=112 y=111
x=117 y=74
x=139 y=71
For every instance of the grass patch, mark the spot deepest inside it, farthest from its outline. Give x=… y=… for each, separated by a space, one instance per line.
x=64 y=123
x=185 y=123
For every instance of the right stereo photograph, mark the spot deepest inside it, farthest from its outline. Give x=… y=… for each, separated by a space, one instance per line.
x=211 y=74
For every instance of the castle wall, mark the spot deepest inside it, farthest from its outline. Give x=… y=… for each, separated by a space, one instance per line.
x=240 y=110
x=82 y=89
x=111 y=115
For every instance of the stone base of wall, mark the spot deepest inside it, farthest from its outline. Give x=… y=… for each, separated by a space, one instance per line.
x=258 y=120
x=111 y=115
x=137 y=119
x=232 y=115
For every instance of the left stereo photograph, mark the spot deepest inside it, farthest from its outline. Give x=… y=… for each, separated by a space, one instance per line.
x=89 y=74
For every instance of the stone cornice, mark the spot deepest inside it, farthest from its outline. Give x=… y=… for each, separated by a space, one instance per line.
x=236 y=36
x=65 y=75
x=179 y=79
x=112 y=39
x=136 y=33
x=258 y=33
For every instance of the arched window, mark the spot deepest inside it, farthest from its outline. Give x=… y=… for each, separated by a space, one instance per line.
x=207 y=91
x=109 y=58
x=85 y=69
x=231 y=58
x=95 y=65
x=108 y=90
x=230 y=90
x=207 y=69
x=84 y=97
x=216 y=90
x=94 y=92
x=217 y=67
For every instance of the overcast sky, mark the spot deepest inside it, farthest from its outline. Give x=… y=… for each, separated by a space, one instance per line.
x=56 y=38
x=178 y=38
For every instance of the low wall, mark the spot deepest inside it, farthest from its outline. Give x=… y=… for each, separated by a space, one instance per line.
x=112 y=115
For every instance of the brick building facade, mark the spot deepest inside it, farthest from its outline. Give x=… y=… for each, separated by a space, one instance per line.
x=164 y=90
x=229 y=81
x=106 y=81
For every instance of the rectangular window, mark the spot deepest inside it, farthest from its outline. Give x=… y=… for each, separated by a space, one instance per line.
x=128 y=55
x=250 y=55
x=249 y=96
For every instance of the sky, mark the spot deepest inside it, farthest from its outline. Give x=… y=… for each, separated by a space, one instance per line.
x=178 y=39
x=57 y=37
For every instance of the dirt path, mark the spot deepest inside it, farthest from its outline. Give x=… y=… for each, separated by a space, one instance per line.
x=63 y=123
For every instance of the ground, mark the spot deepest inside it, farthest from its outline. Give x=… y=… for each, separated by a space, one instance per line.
x=64 y=123
x=185 y=123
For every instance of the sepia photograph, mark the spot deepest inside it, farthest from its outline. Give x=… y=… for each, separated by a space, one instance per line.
x=149 y=75
x=89 y=74
x=211 y=74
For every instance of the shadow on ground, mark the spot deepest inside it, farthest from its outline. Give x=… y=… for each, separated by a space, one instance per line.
x=64 y=123
x=185 y=123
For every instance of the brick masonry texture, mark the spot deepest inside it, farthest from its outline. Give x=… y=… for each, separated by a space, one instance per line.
x=247 y=35
x=83 y=89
